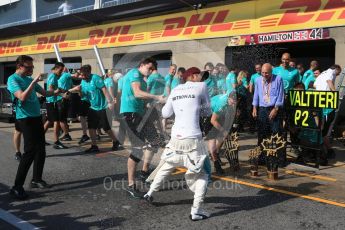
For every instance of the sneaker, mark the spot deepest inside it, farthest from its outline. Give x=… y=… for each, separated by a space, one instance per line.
x=92 y=149
x=218 y=168
x=198 y=214
x=134 y=192
x=39 y=184
x=116 y=146
x=59 y=145
x=18 y=156
x=148 y=198
x=18 y=193
x=47 y=144
x=66 y=137
x=83 y=139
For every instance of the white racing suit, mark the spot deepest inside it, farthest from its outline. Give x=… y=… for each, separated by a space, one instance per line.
x=188 y=153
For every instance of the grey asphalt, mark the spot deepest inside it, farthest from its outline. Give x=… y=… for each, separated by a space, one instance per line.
x=87 y=194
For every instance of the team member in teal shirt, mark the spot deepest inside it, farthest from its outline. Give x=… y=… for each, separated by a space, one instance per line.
x=64 y=83
x=242 y=92
x=100 y=100
x=155 y=86
x=252 y=83
x=313 y=66
x=118 y=96
x=120 y=85
x=133 y=108
x=289 y=75
x=254 y=77
x=109 y=84
x=84 y=109
x=177 y=78
x=155 y=83
x=23 y=91
x=209 y=79
x=231 y=81
x=220 y=80
x=55 y=112
x=221 y=105
x=210 y=83
x=168 y=78
x=309 y=82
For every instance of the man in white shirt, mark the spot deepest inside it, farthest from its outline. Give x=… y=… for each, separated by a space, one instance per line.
x=186 y=148
x=65 y=8
x=326 y=82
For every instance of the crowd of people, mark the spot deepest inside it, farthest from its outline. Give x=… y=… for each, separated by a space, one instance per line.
x=203 y=105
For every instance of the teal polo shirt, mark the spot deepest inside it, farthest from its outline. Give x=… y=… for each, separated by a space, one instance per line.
x=229 y=81
x=85 y=95
x=31 y=106
x=53 y=81
x=129 y=103
x=65 y=81
x=175 y=82
x=168 y=78
x=219 y=103
x=290 y=76
x=97 y=98
x=253 y=78
x=156 y=84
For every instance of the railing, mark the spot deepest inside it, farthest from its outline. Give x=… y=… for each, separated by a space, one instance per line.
x=59 y=14
x=118 y=2
x=26 y=21
x=78 y=10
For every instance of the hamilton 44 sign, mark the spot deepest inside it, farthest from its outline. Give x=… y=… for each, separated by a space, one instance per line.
x=280 y=37
x=293 y=36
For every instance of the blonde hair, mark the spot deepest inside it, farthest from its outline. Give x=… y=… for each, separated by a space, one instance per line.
x=242 y=74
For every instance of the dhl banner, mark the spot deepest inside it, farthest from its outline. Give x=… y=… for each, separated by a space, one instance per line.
x=245 y=18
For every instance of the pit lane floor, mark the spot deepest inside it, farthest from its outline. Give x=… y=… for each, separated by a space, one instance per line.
x=87 y=193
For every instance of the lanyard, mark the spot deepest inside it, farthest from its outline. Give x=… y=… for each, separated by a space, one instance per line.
x=266 y=91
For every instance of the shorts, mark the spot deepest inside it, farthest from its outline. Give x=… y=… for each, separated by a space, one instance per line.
x=52 y=112
x=57 y=111
x=210 y=131
x=62 y=107
x=98 y=119
x=148 y=134
x=83 y=108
